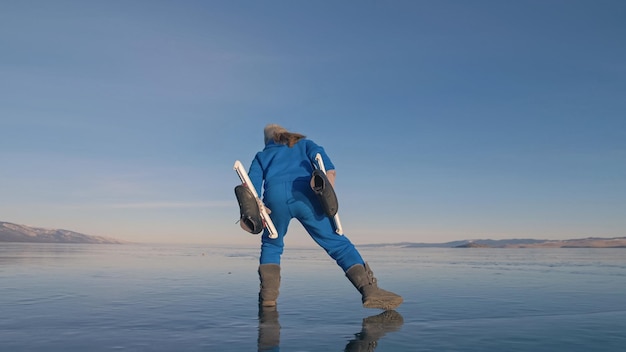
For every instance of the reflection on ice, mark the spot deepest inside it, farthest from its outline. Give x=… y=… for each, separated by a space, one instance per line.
x=372 y=330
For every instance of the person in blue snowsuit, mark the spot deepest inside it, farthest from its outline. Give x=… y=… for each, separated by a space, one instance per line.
x=282 y=170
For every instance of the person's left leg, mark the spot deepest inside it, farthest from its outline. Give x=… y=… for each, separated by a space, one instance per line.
x=269 y=263
x=272 y=249
x=269 y=276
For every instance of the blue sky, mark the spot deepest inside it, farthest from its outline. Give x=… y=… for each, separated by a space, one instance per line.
x=446 y=120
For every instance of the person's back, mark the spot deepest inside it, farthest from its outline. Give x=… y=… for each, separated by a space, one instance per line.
x=280 y=163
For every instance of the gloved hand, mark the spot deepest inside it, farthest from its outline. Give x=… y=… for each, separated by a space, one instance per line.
x=262 y=206
x=331 y=174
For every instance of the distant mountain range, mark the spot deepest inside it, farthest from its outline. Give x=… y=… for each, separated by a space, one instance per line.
x=591 y=242
x=10 y=232
x=20 y=233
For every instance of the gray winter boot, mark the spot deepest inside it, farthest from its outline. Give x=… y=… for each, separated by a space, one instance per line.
x=363 y=279
x=269 y=274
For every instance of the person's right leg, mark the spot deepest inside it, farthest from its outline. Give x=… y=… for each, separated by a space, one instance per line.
x=372 y=296
x=337 y=246
x=347 y=257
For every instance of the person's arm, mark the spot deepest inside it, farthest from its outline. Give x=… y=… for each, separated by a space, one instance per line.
x=256 y=176
x=313 y=149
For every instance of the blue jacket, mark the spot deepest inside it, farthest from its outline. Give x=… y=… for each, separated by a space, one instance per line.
x=278 y=163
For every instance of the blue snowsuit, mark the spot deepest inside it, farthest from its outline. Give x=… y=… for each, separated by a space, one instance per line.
x=285 y=173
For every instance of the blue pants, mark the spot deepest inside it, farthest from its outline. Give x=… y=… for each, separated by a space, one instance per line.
x=297 y=200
